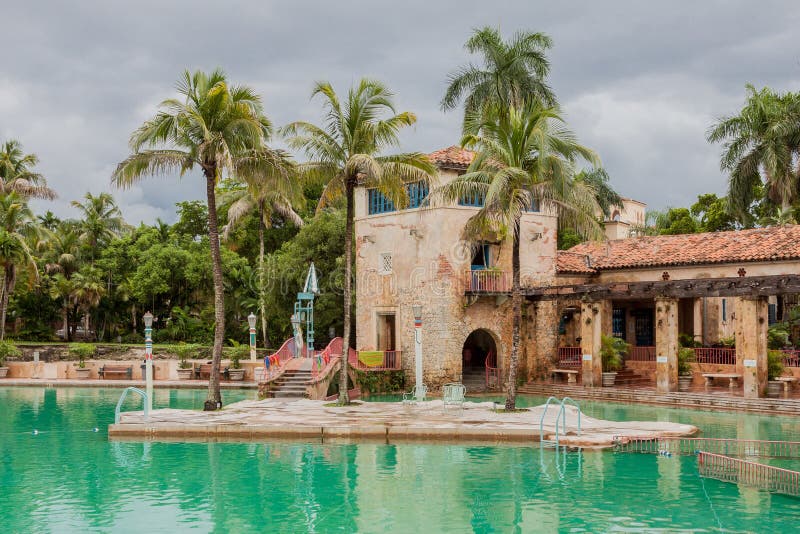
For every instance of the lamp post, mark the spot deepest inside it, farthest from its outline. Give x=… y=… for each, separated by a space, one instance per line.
x=417 y=309
x=148 y=358
x=251 y=320
x=298 y=339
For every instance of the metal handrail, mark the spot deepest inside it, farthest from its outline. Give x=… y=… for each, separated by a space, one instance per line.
x=122 y=399
x=563 y=415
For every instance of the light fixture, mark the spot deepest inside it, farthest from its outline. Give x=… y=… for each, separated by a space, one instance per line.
x=251 y=320
x=148 y=320
x=295 y=320
x=417 y=309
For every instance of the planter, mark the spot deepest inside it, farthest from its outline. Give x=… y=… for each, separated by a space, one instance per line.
x=684 y=382
x=82 y=373
x=185 y=374
x=609 y=378
x=236 y=375
x=774 y=388
x=3 y=372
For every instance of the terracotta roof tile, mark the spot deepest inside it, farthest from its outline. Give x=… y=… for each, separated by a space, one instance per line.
x=760 y=244
x=453 y=157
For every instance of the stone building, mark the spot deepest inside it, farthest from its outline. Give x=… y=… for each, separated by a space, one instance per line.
x=635 y=288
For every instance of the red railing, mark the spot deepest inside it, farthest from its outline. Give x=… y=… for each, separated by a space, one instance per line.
x=791 y=358
x=391 y=361
x=569 y=357
x=643 y=353
x=739 y=471
x=324 y=357
x=715 y=355
x=493 y=374
x=488 y=281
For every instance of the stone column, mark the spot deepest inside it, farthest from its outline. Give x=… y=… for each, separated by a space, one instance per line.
x=666 y=344
x=592 y=319
x=751 y=344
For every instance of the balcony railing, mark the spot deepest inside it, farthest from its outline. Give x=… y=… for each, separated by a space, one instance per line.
x=791 y=358
x=569 y=357
x=642 y=353
x=488 y=281
x=390 y=360
x=715 y=355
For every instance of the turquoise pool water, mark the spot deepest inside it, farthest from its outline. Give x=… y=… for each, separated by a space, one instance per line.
x=68 y=478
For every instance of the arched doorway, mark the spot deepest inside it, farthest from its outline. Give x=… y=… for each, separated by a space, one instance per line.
x=478 y=346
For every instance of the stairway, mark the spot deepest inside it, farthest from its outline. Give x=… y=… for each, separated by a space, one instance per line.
x=474 y=379
x=628 y=377
x=292 y=383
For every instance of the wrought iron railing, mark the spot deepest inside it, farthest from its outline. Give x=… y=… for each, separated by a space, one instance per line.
x=748 y=473
x=391 y=361
x=493 y=372
x=641 y=353
x=488 y=281
x=715 y=355
x=569 y=357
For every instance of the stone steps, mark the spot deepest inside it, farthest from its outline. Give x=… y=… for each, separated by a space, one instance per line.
x=708 y=401
x=292 y=384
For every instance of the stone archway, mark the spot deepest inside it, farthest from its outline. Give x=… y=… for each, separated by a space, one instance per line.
x=479 y=345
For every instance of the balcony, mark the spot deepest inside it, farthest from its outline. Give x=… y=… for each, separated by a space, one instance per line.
x=488 y=282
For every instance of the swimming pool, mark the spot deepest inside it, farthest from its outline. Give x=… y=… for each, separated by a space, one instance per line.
x=68 y=478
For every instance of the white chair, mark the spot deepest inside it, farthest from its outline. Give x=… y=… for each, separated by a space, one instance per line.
x=411 y=396
x=453 y=395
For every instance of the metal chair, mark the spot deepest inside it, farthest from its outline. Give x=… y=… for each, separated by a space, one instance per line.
x=411 y=396
x=453 y=395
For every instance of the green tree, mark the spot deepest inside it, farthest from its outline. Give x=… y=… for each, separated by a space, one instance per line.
x=16 y=228
x=100 y=221
x=511 y=72
x=713 y=213
x=208 y=128
x=61 y=259
x=526 y=157
x=597 y=178
x=192 y=219
x=271 y=188
x=17 y=174
x=344 y=152
x=761 y=143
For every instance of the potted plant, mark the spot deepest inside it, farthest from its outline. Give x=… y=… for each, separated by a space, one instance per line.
x=236 y=352
x=612 y=349
x=7 y=349
x=774 y=370
x=185 y=369
x=685 y=355
x=82 y=351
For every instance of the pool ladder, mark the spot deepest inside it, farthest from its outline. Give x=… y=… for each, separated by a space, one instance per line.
x=122 y=399
x=561 y=416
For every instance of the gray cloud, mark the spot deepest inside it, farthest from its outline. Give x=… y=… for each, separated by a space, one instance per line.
x=640 y=82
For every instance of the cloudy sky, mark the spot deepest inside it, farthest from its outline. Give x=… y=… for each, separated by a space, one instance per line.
x=639 y=81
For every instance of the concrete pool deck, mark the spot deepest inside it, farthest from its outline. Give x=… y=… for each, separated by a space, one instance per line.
x=384 y=421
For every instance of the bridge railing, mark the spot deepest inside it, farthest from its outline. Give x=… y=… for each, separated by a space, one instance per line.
x=740 y=471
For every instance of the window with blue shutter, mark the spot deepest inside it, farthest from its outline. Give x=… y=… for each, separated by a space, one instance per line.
x=378 y=203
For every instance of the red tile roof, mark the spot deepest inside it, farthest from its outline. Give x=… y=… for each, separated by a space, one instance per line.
x=760 y=244
x=453 y=157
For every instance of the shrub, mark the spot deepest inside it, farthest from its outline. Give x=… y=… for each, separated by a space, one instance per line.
x=236 y=352
x=612 y=350
x=685 y=355
x=687 y=340
x=184 y=351
x=774 y=364
x=82 y=351
x=7 y=349
x=778 y=336
x=727 y=341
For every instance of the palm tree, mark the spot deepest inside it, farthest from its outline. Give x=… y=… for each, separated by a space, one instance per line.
x=597 y=178
x=512 y=71
x=271 y=188
x=17 y=175
x=101 y=221
x=88 y=287
x=207 y=129
x=763 y=139
x=526 y=158
x=61 y=256
x=344 y=152
x=16 y=227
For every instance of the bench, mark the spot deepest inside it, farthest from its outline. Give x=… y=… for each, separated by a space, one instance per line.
x=203 y=372
x=732 y=378
x=116 y=370
x=788 y=382
x=571 y=374
x=453 y=395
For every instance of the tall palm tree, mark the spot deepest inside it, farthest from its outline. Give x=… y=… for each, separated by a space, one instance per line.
x=61 y=256
x=16 y=228
x=512 y=71
x=763 y=140
x=207 y=129
x=597 y=178
x=17 y=174
x=88 y=287
x=271 y=188
x=101 y=220
x=344 y=152
x=525 y=157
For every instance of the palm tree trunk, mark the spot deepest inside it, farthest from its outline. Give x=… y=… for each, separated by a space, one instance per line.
x=3 y=303
x=262 y=306
x=516 y=309
x=214 y=399
x=65 y=313
x=348 y=270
